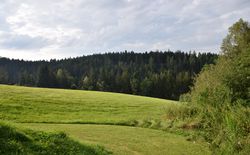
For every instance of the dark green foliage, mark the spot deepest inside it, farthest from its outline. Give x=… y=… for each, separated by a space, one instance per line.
x=3 y=75
x=46 y=78
x=13 y=141
x=157 y=74
x=64 y=80
x=27 y=79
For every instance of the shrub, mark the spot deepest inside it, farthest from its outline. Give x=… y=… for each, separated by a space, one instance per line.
x=180 y=111
x=221 y=95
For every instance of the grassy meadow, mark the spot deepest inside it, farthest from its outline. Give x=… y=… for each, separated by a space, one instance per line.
x=126 y=140
x=15 y=141
x=94 y=118
x=24 y=104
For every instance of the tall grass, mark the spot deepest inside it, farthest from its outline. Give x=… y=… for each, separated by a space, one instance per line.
x=227 y=128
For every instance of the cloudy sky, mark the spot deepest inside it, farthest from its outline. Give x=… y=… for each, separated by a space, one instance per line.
x=44 y=29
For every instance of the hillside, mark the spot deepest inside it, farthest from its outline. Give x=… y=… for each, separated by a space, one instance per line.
x=157 y=74
x=49 y=109
x=18 y=104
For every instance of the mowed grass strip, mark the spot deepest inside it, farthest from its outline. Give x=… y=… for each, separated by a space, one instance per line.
x=25 y=104
x=124 y=140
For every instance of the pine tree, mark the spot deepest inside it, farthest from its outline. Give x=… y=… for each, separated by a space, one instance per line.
x=46 y=78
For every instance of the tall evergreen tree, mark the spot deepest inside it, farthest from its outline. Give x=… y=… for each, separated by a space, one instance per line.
x=3 y=76
x=46 y=78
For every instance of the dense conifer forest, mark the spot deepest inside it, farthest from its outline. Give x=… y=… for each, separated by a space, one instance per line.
x=157 y=74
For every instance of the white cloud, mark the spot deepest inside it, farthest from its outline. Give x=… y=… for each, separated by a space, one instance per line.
x=61 y=28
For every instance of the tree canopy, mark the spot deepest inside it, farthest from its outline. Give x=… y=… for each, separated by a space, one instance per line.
x=157 y=74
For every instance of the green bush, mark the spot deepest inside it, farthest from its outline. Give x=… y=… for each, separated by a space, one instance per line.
x=221 y=95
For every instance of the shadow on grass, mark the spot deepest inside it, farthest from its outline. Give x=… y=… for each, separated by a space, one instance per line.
x=14 y=141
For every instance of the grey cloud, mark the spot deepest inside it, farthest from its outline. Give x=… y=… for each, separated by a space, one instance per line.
x=23 y=42
x=69 y=27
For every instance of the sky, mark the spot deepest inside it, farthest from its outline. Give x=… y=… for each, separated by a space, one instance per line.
x=55 y=29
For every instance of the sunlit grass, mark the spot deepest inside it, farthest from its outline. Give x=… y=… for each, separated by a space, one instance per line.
x=44 y=109
x=127 y=140
x=24 y=104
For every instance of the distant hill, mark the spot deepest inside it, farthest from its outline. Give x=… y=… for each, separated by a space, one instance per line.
x=156 y=74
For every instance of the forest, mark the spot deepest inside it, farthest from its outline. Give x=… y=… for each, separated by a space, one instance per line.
x=157 y=74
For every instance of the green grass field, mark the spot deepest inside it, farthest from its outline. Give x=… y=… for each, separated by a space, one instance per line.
x=126 y=140
x=23 y=104
x=46 y=110
x=14 y=141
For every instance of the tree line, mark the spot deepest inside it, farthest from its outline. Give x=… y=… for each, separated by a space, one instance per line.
x=157 y=74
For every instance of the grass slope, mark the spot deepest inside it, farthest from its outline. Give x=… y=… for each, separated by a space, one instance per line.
x=16 y=141
x=24 y=104
x=127 y=140
x=33 y=107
